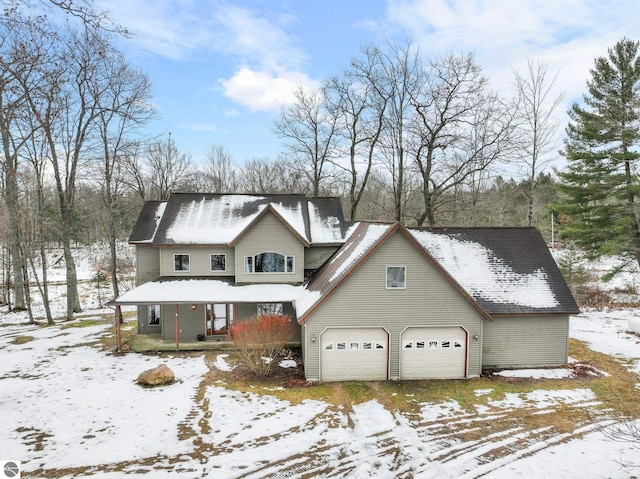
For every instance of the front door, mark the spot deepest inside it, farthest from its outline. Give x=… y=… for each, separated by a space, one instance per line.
x=217 y=319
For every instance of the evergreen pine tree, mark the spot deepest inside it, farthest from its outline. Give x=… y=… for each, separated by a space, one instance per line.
x=600 y=186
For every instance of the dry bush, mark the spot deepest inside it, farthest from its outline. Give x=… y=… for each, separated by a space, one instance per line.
x=259 y=340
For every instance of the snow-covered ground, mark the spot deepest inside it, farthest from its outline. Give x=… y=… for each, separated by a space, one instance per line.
x=70 y=409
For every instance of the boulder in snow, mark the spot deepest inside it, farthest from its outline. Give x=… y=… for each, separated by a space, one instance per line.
x=634 y=325
x=158 y=376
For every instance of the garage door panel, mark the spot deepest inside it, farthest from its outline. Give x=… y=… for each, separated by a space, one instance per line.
x=354 y=354
x=433 y=353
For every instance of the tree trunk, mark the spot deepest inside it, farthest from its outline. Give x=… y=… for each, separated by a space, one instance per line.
x=73 y=300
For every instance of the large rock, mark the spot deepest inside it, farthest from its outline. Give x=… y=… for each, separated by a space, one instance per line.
x=158 y=376
x=634 y=325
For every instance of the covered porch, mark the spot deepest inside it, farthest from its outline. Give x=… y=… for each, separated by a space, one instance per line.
x=178 y=313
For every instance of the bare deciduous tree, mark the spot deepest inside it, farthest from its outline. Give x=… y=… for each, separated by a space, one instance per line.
x=309 y=128
x=536 y=124
x=360 y=122
x=126 y=109
x=462 y=128
x=220 y=170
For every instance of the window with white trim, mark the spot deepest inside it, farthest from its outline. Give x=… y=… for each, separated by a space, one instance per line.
x=181 y=262
x=218 y=262
x=396 y=277
x=153 y=314
x=269 y=262
x=270 y=308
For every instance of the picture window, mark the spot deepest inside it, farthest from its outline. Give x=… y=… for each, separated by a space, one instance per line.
x=269 y=262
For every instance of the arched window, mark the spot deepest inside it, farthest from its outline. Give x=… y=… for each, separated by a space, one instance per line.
x=269 y=262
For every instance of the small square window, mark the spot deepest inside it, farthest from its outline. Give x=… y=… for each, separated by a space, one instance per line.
x=354 y=346
x=181 y=262
x=328 y=347
x=420 y=344
x=218 y=262
x=445 y=344
x=367 y=345
x=433 y=344
x=396 y=277
x=380 y=345
x=408 y=345
x=457 y=344
x=341 y=346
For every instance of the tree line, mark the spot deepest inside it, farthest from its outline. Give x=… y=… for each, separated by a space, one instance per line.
x=397 y=136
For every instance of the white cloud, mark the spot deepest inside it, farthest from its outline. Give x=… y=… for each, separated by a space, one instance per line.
x=263 y=90
x=568 y=34
x=267 y=60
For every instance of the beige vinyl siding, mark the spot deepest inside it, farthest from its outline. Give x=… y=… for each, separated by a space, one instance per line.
x=147 y=263
x=364 y=301
x=526 y=341
x=316 y=256
x=199 y=261
x=269 y=235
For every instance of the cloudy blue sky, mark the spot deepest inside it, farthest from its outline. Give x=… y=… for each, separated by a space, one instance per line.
x=221 y=70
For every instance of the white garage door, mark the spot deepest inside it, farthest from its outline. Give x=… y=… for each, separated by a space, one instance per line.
x=433 y=353
x=354 y=354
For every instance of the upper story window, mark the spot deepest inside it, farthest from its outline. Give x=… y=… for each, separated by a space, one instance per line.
x=181 y=262
x=218 y=262
x=269 y=262
x=396 y=277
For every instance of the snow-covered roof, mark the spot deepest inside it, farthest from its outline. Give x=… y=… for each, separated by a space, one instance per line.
x=204 y=290
x=208 y=218
x=503 y=270
x=148 y=221
x=506 y=270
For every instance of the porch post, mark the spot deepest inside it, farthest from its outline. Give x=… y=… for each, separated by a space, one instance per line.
x=177 y=329
x=118 y=328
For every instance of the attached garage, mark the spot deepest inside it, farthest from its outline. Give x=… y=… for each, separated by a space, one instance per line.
x=433 y=353
x=354 y=354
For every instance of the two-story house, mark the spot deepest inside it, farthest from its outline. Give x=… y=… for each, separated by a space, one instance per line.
x=371 y=300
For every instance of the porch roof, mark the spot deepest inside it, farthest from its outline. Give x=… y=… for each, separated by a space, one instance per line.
x=199 y=290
